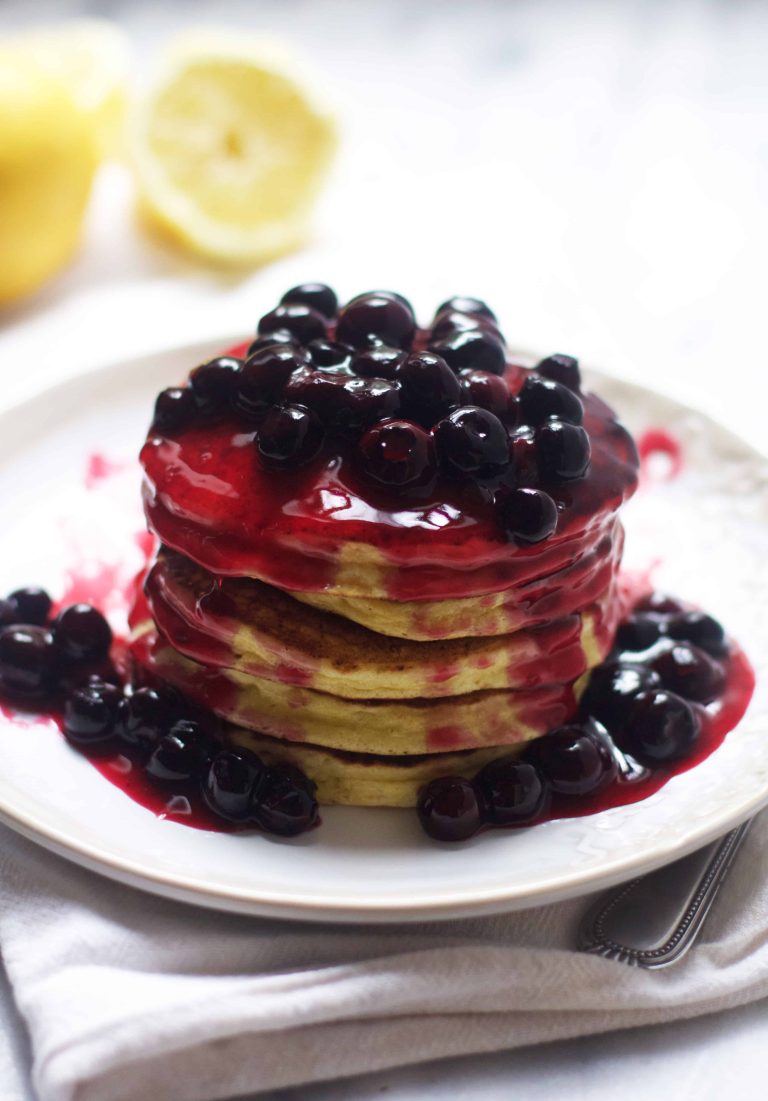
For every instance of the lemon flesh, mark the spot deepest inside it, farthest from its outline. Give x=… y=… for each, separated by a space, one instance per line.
x=230 y=152
x=48 y=158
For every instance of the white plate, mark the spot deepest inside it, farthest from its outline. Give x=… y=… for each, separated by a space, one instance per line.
x=706 y=531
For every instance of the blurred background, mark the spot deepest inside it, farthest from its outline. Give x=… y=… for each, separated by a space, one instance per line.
x=597 y=171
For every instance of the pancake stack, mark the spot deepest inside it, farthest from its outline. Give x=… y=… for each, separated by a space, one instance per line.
x=373 y=640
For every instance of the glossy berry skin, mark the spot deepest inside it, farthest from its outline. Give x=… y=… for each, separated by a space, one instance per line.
x=561 y=368
x=489 y=392
x=231 y=783
x=264 y=375
x=659 y=603
x=31 y=605
x=542 y=400
x=82 y=634
x=366 y=401
x=7 y=612
x=526 y=515
x=430 y=388
x=290 y=436
x=91 y=715
x=320 y=391
x=143 y=718
x=702 y=630
x=563 y=451
x=474 y=349
x=472 y=441
x=449 y=323
x=285 y=802
x=213 y=385
x=279 y=336
x=174 y=410
x=379 y=314
x=330 y=355
x=689 y=672
x=380 y=361
x=449 y=809
x=660 y=727
x=574 y=760
x=318 y=296
x=399 y=455
x=639 y=632
x=523 y=458
x=181 y=756
x=302 y=321
x=27 y=661
x=512 y=791
x=612 y=690
x=463 y=304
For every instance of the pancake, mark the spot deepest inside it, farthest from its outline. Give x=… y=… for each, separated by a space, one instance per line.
x=253 y=628
x=385 y=727
x=319 y=530
x=365 y=780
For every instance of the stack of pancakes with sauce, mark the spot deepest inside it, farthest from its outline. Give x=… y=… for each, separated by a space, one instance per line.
x=374 y=642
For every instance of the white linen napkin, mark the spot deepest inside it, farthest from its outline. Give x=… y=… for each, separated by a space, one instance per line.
x=127 y=995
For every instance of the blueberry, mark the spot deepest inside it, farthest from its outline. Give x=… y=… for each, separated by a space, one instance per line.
x=526 y=515
x=91 y=715
x=639 y=632
x=318 y=296
x=561 y=368
x=660 y=727
x=7 y=612
x=82 y=633
x=563 y=450
x=285 y=803
x=144 y=717
x=512 y=792
x=305 y=323
x=574 y=760
x=472 y=441
x=542 y=400
x=612 y=690
x=380 y=314
x=368 y=400
x=182 y=755
x=290 y=436
x=448 y=324
x=689 y=672
x=380 y=361
x=398 y=454
x=213 y=385
x=330 y=355
x=660 y=603
x=231 y=784
x=702 y=630
x=471 y=306
x=27 y=661
x=489 y=392
x=449 y=809
x=430 y=388
x=279 y=336
x=523 y=457
x=475 y=348
x=174 y=410
x=322 y=392
x=264 y=375
x=31 y=605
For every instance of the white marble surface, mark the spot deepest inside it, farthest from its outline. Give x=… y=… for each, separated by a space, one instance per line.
x=598 y=171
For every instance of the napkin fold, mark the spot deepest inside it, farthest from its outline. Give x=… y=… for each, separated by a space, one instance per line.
x=128 y=995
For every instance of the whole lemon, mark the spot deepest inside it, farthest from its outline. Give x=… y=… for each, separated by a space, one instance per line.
x=48 y=158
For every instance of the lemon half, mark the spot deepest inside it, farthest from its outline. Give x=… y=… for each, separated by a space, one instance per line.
x=230 y=148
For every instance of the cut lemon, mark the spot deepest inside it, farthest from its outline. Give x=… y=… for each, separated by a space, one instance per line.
x=47 y=163
x=231 y=148
x=89 y=56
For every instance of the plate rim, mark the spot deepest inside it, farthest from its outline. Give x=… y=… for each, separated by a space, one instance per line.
x=258 y=902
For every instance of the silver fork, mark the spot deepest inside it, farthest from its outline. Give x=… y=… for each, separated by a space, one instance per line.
x=652 y=921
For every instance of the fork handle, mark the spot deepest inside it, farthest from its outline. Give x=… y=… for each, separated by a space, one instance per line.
x=653 y=921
